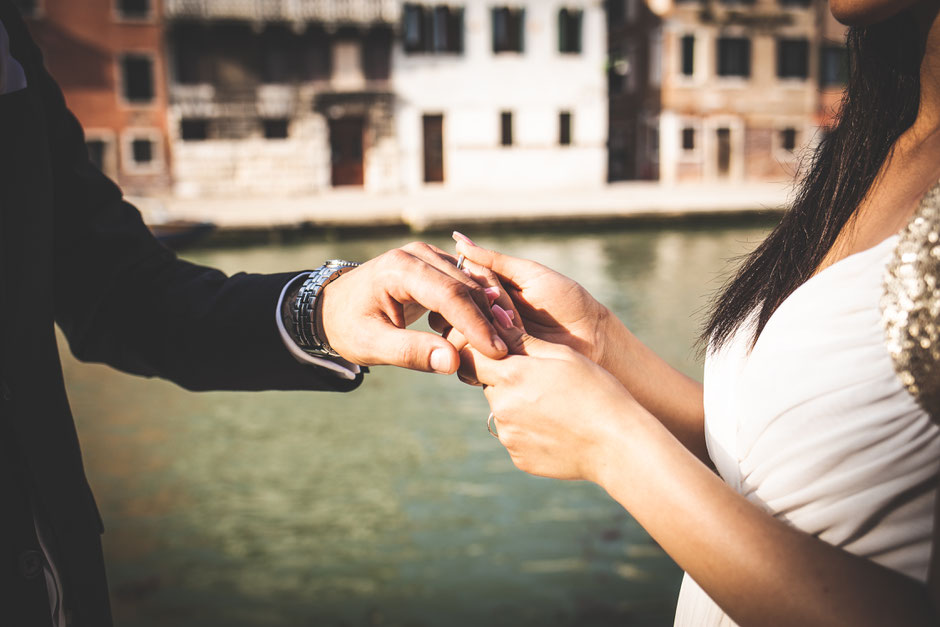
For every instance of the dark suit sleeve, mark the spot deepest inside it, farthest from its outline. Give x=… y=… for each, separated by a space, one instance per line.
x=123 y=299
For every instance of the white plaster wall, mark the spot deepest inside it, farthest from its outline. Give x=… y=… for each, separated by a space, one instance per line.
x=471 y=90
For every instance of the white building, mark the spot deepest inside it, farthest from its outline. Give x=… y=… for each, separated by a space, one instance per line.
x=492 y=96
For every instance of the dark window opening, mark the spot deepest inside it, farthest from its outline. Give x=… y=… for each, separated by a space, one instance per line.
x=432 y=29
x=569 y=30
x=564 y=128
x=688 y=55
x=377 y=54
x=137 y=76
x=688 y=138
x=142 y=151
x=275 y=128
x=134 y=9
x=792 y=58
x=96 y=149
x=194 y=129
x=737 y=1
x=788 y=139
x=508 y=29
x=795 y=3
x=734 y=56
x=833 y=66
x=505 y=123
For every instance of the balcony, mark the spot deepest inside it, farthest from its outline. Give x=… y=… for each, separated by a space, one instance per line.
x=335 y=12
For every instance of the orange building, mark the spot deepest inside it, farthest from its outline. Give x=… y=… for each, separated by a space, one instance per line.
x=107 y=57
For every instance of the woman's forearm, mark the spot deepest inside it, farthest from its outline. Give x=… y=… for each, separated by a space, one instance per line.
x=758 y=569
x=675 y=399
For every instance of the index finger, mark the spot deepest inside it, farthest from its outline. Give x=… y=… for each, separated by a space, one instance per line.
x=437 y=291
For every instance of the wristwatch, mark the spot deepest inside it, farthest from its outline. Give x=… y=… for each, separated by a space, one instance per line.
x=306 y=306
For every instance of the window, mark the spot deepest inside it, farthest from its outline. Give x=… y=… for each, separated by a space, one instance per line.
x=737 y=1
x=505 y=123
x=688 y=138
x=137 y=78
x=133 y=9
x=142 y=151
x=734 y=56
x=833 y=66
x=432 y=29
x=564 y=128
x=795 y=3
x=508 y=29
x=792 y=58
x=274 y=128
x=569 y=30
x=194 y=129
x=377 y=54
x=688 y=55
x=788 y=139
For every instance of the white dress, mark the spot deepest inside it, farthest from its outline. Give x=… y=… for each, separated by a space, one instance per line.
x=823 y=424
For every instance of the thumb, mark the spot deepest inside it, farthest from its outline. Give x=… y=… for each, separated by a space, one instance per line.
x=415 y=350
x=520 y=342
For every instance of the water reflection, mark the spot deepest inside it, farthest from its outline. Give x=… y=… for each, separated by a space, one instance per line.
x=391 y=505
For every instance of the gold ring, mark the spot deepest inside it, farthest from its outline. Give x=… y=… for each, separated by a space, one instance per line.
x=460 y=261
x=491 y=424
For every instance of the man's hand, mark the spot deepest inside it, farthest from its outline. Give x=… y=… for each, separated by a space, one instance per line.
x=366 y=311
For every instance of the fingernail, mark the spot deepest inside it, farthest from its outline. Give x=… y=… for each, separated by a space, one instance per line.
x=460 y=237
x=511 y=314
x=492 y=293
x=440 y=361
x=467 y=272
x=499 y=344
x=502 y=317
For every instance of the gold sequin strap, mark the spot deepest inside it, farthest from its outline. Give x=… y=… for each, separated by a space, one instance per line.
x=910 y=305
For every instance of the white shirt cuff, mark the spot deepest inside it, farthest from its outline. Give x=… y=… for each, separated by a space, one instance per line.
x=337 y=365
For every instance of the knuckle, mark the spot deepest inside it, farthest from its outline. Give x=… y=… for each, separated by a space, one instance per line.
x=398 y=256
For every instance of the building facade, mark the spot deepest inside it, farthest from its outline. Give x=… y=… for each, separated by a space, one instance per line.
x=492 y=96
x=717 y=90
x=280 y=98
x=107 y=56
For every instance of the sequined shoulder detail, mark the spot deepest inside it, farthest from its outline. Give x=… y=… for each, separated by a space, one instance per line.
x=910 y=305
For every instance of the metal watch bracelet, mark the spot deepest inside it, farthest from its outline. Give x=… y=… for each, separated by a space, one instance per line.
x=308 y=332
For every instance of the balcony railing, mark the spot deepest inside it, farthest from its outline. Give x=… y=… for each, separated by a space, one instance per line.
x=323 y=11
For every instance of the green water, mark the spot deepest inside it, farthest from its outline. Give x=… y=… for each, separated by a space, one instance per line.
x=391 y=505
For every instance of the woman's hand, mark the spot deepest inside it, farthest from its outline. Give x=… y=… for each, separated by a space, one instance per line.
x=556 y=411
x=552 y=307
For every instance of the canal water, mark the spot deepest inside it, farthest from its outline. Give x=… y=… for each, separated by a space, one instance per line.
x=391 y=505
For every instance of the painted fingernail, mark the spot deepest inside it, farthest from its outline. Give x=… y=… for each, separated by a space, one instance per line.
x=467 y=272
x=460 y=237
x=511 y=314
x=492 y=293
x=502 y=317
x=440 y=361
x=499 y=344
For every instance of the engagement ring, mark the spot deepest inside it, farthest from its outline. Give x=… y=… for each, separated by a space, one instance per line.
x=491 y=425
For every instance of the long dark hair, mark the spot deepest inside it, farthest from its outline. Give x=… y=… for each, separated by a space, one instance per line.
x=880 y=103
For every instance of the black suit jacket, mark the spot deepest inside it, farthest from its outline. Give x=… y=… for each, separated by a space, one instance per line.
x=73 y=252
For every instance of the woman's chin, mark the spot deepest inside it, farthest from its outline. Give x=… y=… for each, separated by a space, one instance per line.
x=867 y=12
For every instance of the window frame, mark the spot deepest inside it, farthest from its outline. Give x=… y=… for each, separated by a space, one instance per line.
x=513 y=14
x=120 y=16
x=507 y=135
x=568 y=16
x=784 y=43
x=565 y=128
x=129 y=165
x=734 y=78
x=121 y=83
x=108 y=137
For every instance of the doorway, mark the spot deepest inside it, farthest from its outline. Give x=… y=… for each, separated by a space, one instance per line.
x=433 y=148
x=346 y=139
